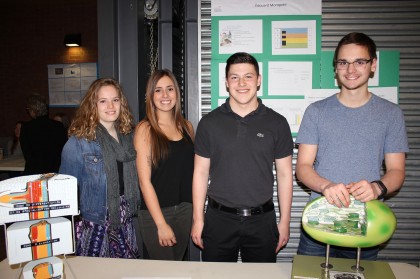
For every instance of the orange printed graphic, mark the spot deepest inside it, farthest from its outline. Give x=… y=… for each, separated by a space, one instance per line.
x=43 y=271
x=40 y=236
x=36 y=192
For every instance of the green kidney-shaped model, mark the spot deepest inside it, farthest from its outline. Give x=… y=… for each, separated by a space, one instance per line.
x=379 y=227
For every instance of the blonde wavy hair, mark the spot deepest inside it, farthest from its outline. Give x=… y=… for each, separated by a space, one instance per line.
x=87 y=118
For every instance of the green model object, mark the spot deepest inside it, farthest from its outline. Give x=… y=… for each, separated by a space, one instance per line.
x=360 y=225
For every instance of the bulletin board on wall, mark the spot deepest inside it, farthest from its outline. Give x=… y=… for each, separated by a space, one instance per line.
x=285 y=37
x=68 y=83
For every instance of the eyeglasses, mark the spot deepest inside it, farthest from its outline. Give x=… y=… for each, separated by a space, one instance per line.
x=359 y=64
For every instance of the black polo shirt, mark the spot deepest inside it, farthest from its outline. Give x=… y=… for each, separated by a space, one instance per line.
x=242 y=151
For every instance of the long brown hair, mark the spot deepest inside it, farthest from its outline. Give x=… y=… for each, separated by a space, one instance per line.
x=159 y=142
x=86 y=120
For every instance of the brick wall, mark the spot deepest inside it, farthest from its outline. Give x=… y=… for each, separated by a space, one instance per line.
x=31 y=37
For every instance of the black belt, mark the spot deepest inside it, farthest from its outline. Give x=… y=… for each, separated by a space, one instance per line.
x=267 y=207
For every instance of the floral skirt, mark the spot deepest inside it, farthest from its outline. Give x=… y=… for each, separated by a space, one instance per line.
x=95 y=240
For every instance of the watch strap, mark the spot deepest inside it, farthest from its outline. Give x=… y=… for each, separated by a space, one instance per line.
x=383 y=188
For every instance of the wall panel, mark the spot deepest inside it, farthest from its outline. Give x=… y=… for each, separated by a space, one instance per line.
x=394 y=25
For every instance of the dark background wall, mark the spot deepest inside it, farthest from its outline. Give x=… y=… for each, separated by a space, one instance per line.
x=31 y=37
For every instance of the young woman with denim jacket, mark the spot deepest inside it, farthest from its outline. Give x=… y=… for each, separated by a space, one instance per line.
x=165 y=163
x=101 y=155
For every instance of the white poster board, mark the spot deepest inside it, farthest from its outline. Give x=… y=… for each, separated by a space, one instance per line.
x=68 y=83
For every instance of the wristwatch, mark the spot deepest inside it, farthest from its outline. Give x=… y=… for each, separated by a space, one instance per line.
x=384 y=190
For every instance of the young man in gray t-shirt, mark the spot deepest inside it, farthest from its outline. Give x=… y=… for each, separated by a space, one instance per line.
x=344 y=139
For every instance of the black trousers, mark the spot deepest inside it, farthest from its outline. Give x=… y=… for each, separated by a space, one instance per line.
x=226 y=234
x=179 y=217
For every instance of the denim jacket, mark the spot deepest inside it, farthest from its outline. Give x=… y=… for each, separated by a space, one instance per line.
x=83 y=159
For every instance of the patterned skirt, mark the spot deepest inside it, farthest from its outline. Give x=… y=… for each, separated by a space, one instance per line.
x=94 y=240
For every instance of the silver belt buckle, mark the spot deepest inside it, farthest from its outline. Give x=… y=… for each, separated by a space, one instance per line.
x=244 y=212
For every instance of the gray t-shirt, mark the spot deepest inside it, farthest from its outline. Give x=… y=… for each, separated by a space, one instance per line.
x=352 y=142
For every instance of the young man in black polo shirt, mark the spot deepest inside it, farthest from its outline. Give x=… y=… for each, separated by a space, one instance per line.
x=236 y=146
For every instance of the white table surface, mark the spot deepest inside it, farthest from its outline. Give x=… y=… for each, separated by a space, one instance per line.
x=12 y=163
x=105 y=268
x=85 y=267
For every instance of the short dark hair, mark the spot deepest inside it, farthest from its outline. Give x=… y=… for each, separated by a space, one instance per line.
x=241 y=57
x=37 y=104
x=360 y=39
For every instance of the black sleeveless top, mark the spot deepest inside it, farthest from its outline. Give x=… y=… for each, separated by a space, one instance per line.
x=172 y=179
